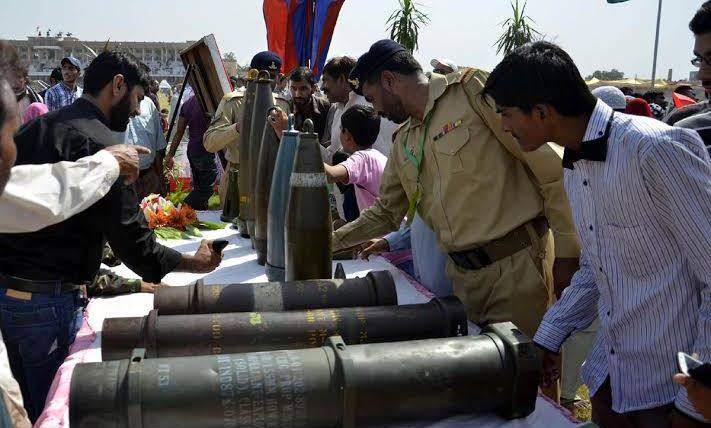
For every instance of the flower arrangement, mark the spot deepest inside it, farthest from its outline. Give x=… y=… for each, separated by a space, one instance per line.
x=169 y=221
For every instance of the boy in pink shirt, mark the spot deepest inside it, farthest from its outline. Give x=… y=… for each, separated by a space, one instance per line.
x=360 y=127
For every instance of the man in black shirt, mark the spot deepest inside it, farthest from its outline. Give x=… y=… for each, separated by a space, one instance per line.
x=305 y=103
x=42 y=272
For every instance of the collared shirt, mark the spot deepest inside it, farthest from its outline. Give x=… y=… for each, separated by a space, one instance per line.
x=71 y=250
x=384 y=142
x=60 y=95
x=644 y=220
x=317 y=111
x=145 y=130
x=37 y=196
x=476 y=183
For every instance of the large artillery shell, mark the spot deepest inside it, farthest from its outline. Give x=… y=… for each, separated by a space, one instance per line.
x=265 y=171
x=245 y=122
x=307 y=230
x=278 y=200
x=376 y=289
x=336 y=385
x=205 y=334
x=263 y=102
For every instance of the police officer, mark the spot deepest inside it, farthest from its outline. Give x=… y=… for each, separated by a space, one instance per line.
x=224 y=130
x=496 y=210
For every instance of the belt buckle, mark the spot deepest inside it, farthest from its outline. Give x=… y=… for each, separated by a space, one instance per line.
x=480 y=259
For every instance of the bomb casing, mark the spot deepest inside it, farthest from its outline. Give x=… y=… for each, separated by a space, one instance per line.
x=245 y=122
x=206 y=334
x=377 y=288
x=263 y=102
x=337 y=385
x=278 y=200
x=308 y=225
x=265 y=171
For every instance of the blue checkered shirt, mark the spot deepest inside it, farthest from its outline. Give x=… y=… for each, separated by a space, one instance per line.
x=60 y=95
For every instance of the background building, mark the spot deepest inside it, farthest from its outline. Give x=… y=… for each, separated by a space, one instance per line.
x=43 y=53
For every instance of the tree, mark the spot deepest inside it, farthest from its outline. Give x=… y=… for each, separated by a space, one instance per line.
x=613 y=74
x=404 y=24
x=230 y=57
x=517 y=30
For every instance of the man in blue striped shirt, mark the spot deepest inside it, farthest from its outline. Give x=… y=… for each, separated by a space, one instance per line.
x=640 y=192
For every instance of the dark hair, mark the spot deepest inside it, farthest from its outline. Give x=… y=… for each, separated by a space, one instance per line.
x=627 y=90
x=402 y=63
x=681 y=88
x=9 y=62
x=701 y=22
x=56 y=74
x=540 y=73
x=650 y=96
x=300 y=74
x=339 y=66
x=363 y=124
x=110 y=63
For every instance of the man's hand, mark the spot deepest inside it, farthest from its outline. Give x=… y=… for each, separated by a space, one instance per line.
x=169 y=162
x=551 y=368
x=563 y=271
x=127 y=157
x=699 y=395
x=148 y=287
x=205 y=259
x=374 y=246
x=279 y=120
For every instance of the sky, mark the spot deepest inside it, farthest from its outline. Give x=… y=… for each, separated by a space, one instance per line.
x=596 y=34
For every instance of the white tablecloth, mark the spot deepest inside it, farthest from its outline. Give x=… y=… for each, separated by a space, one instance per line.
x=239 y=265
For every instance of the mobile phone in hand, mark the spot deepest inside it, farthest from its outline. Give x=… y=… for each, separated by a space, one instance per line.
x=690 y=366
x=219 y=244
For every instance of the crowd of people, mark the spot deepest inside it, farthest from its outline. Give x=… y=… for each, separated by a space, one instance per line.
x=582 y=216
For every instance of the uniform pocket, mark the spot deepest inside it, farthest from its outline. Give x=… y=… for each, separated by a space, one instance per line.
x=448 y=147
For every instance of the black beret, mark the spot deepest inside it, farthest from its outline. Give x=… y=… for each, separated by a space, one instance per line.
x=266 y=60
x=377 y=55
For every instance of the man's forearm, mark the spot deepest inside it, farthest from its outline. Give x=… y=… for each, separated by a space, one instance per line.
x=38 y=196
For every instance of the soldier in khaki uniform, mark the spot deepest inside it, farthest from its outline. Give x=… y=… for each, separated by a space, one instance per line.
x=224 y=130
x=496 y=210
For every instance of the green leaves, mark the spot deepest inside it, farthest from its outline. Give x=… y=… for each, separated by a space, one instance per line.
x=517 y=30
x=404 y=24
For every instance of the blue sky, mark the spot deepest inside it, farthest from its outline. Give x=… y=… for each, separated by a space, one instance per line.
x=596 y=34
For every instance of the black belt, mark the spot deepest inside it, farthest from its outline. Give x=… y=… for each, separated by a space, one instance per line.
x=498 y=249
x=35 y=286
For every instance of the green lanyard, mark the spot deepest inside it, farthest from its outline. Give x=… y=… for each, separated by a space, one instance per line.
x=417 y=162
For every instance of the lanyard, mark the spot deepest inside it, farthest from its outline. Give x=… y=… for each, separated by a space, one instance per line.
x=417 y=162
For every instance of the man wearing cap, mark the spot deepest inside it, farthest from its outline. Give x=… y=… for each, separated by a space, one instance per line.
x=224 y=130
x=494 y=209
x=67 y=91
x=443 y=66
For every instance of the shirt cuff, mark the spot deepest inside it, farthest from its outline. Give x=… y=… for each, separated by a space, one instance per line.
x=110 y=163
x=550 y=336
x=566 y=245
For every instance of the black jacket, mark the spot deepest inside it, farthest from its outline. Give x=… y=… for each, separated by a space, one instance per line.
x=71 y=251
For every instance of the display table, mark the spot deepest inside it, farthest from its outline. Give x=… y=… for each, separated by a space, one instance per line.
x=239 y=265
